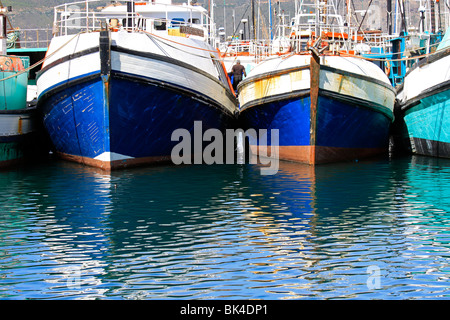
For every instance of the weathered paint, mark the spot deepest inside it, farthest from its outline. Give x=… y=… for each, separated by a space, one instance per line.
x=314 y=94
x=279 y=83
x=424 y=101
x=428 y=125
x=329 y=122
x=343 y=131
x=113 y=99
x=381 y=96
x=136 y=126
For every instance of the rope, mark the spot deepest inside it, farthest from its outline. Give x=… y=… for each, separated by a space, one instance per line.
x=41 y=61
x=190 y=53
x=182 y=44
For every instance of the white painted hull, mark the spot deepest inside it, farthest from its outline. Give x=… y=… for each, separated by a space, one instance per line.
x=342 y=76
x=424 y=78
x=134 y=61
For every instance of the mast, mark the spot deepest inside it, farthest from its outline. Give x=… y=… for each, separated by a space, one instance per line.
x=3 y=34
x=389 y=16
x=433 y=17
x=270 y=19
x=253 y=20
x=224 y=20
x=403 y=16
x=317 y=30
x=211 y=22
x=349 y=15
x=439 y=15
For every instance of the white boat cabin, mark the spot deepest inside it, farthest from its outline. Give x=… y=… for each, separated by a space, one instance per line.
x=153 y=16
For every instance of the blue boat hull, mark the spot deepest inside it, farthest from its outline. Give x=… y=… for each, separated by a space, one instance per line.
x=131 y=118
x=342 y=130
x=428 y=124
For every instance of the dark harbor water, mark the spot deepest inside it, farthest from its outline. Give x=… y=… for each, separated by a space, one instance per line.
x=377 y=229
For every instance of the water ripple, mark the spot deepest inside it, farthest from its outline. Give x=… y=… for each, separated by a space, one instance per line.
x=371 y=230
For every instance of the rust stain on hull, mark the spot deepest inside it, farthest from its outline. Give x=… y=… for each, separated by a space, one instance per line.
x=314 y=95
x=313 y=155
x=19 y=126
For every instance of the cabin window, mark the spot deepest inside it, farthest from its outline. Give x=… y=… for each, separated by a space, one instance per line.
x=194 y=21
x=160 y=25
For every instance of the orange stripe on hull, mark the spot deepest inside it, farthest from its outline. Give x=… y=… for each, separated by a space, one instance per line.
x=317 y=154
x=116 y=164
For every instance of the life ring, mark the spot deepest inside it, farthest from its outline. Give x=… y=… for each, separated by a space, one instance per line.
x=387 y=68
x=11 y=64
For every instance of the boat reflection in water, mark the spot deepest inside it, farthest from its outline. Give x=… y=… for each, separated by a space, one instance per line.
x=226 y=232
x=429 y=186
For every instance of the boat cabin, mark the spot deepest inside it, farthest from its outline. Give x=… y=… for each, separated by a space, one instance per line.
x=154 y=16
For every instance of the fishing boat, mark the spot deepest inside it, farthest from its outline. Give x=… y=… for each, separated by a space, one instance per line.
x=119 y=79
x=424 y=102
x=18 y=120
x=327 y=104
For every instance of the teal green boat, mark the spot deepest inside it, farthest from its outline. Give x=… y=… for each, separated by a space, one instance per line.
x=424 y=99
x=19 y=121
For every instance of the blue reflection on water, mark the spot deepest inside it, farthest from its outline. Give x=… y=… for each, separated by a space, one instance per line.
x=210 y=232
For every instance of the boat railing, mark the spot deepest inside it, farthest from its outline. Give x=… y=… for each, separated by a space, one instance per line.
x=90 y=16
x=29 y=38
x=304 y=36
x=258 y=49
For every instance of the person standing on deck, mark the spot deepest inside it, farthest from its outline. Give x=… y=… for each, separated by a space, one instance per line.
x=237 y=71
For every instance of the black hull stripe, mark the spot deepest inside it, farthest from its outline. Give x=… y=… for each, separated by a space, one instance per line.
x=423 y=62
x=67 y=58
x=135 y=53
x=322 y=67
x=170 y=60
x=274 y=98
x=432 y=148
x=271 y=74
x=430 y=59
x=425 y=94
x=358 y=76
x=29 y=110
x=66 y=84
x=357 y=102
x=70 y=83
x=19 y=138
